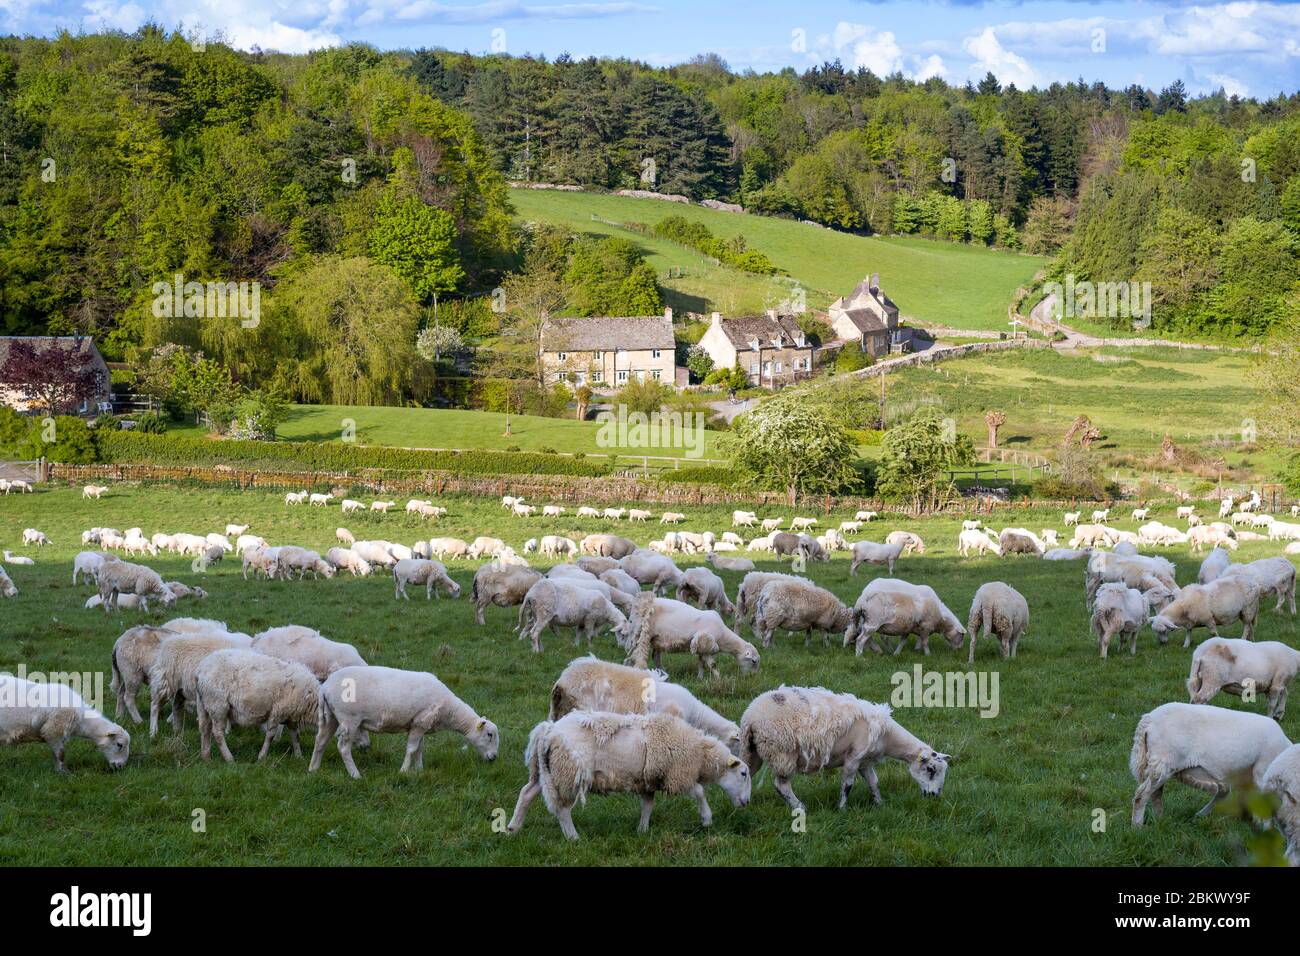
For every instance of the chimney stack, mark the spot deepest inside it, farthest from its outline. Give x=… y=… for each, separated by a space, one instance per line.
x=717 y=318
x=668 y=314
x=875 y=282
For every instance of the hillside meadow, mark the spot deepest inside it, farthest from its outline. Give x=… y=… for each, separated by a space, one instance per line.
x=1025 y=786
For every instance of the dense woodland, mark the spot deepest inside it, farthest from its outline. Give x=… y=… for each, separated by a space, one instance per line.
x=351 y=182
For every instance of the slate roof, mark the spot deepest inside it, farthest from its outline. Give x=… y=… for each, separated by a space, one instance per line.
x=606 y=333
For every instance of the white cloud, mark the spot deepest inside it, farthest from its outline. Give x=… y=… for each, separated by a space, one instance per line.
x=930 y=66
x=245 y=23
x=991 y=57
x=1231 y=85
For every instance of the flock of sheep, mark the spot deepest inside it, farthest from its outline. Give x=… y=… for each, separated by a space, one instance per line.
x=623 y=727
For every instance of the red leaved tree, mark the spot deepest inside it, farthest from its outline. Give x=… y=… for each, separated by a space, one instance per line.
x=54 y=378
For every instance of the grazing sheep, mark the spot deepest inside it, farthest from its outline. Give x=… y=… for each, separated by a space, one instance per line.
x=121 y=577
x=896 y=608
x=1067 y=554
x=662 y=625
x=771 y=524
x=381 y=507
x=1215 y=537
x=672 y=517
x=235 y=530
x=173 y=672
x=1135 y=571
x=1218 y=561
x=1283 y=531
x=620 y=580
x=1020 y=541
x=134 y=654
x=804 y=730
x=248 y=689
x=345 y=537
x=554 y=546
x=87 y=564
x=910 y=541
x=482 y=546
x=7 y=587
x=615 y=514
x=350 y=505
x=763 y=543
x=750 y=587
x=638 y=514
x=18 y=485
x=53 y=714
x=794 y=605
x=291 y=559
x=1001 y=610
x=648 y=567
x=1230 y=598
x=384 y=700
x=723 y=563
x=596 y=565
x=503 y=586
x=93 y=491
x=345 y=559
x=320 y=501
x=869 y=552
x=265 y=560
x=786 y=543
x=1273 y=576
x=703 y=588
x=34 y=537
x=246 y=541
x=559 y=602
x=1049 y=537
x=607 y=546
x=552 y=511
x=832 y=540
x=1092 y=536
x=864 y=515
x=1235 y=666
x=443 y=548
x=599 y=752
x=850 y=527
x=743 y=519
x=971 y=540
x=586 y=511
x=308 y=647
x=589 y=683
x=418 y=571
x=802 y=524
x=1119 y=611
x=690 y=542
x=1282 y=778
x=1201 y=746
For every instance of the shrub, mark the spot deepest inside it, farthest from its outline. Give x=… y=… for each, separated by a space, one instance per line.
x=851 y=359
x=150 y=423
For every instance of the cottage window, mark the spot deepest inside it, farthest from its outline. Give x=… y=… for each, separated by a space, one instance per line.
x=597 y=375
x=596 y=356
x=622 y=376
x=561 y=376
x=778 y=366
x=563 y=356
x=656 y=374
x=654 y=353
x=753 y=369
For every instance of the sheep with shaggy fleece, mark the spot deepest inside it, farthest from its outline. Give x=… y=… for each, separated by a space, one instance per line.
x=552 y=603
x=600 y=752
x=172 y=675
x=620 y=580
x=444 y=548
x=483 y=546
x=121 y=577
x=723 y=563
x=345 y=559
x=134 y=654
x=607 y=546
x=1117 y=611
x=304 y=562
x=772 y=524
x=791 y=605
x=503 y=586
x=656 y=570
x=1273 y=576
x=1235 y=666
x=786 y=543
x=1218 y=561
x=558 y=546
x=911 y=542
x=384 y=700
x=249 y=689
x=1282 y=778
x=1019 y=541
x=661 y=625
x=1230 y=598
x=1215 y=537
x=87 y=564
x=589 y=683
x=261 y=560
x=804 y=730
x=702 y=588
x=596 y=564
x=750 y=587
x=1135 y=571
x=53 y=714
x=896 y=608
x=972 y=540
x=417 y=571
x=1201 y=746
x=1000 y=610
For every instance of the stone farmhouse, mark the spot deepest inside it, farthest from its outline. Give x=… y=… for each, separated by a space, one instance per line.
x=610 y=351
x=771 y=348
x=869 y=318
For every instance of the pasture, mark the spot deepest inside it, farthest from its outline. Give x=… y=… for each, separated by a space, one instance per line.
x=1023 y=789
x=978 y=283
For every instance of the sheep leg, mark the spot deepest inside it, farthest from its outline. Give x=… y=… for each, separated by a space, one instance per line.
x=414 y=742
x=155 y=705
x=846 y=783
x=56 y=748
x=345 y=751
x=219 y=727
x=526 y=796
x=1202 y=779
x=328 y=727
x=272 y=732
x=1146 y=789
x=178 y=711
x=868 y=773
x=782 y=785
x=647 y=806
x=565 y=815
x=1277 y=703
x=295 y=742
x=706 y=813
x=205 y=733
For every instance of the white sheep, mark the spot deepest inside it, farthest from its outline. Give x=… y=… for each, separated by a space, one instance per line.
x=793 y=605
x=896 y=608
x=864 y=515
x=802 y=524
x=1000 y=610
x=134 y=654
x=18 y=485
x=599 y=752
x=561 y=602
x=443 y=548
x=172 y=673
x=649 y=568
x=1117 y=610
x=249 y=689
x=350 y=505
x=606 y=546
x=662 y=625
x=7 y=587
x=503 y=586
x=385 y=700
x=121 y=577
x=381 y=507
x=1072 y=518
x=638 y=514
x=1273 y=576
x=484 y=545
x=743 y=519
x=345 y=559
x=1238 y=667
x=53 y=714
x=586 y=511
x=246 y=541
x=723 y=563
x=33 y=537
x=806 y=730
x=320 y=501
x=558 y=546
x=703 y=588
x=969 y=540
x=429 y=573
x=1218 y=561
x=295 y=498
x=235 y=530
x=1282 y=778
x=1141 y=514
x=1223 y=601
x=772 y=524
x=1201 y=746
x=18 y=559
x=911 y=542
x=345 y=537
x=672 y=517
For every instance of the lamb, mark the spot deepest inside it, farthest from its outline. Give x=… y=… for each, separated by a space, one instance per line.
x=246 y=541
x=291 y=559
x=1072 y=518
x=558 y=602
x=18 y=485
x=1213 y=566
x=1184 y=511
x=763 y=543
x=381 y=507
x=1141 y=514
x=1230 y=598
x=376 y=553
x=7 y=587
x=1273 y=576
x=802 y=524
x=350 y=505
x=723 y=563
x=345 y=537
x=1202 y=535
x=385 y=700
x=1236 y=666
x=600 y=752
x=443 y=548
x=235 y=530
x=32 y=536
x=672 y=517
x=703 y=588
x=1283 y=531
x=345 y=559
x=93 y=491
x=850 y=527
x=910 y=541
x=509 y=501
x=808 y=729
x=554 y=545
x=87 y=564
x=1100 y=515
x=792 y=605
x=173 y=673
x=970 y=524
x=969 y=540
x=896 y=608
x=1092 y=536
x=615 y=514
x=1201 y=746
x=429 y=573
x=53 y=714
x=607 y=546
x=248 y=689
x=589 y=683
x=1001 y=610
x=120 y=577
x=743 y=519
x=265 y=560
x=864 y=515
x=483 y=545
x=772 y=524
x=134 y=654
x=320 y=501
x=658 y=625
x=691 y=542
x=638 y=514
x=502 y=586
x=656 y=570
x=1120 y=611
x=296 y=498
x=730 y=537
x=1282 y=778
x=552 y=511
x=586 y=511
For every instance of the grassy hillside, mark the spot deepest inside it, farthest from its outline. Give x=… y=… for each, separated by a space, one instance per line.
x=1024 y=790
x=962 y=286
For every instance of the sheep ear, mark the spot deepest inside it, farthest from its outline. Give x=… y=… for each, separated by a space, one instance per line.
x=482 y=722
x=733 y=762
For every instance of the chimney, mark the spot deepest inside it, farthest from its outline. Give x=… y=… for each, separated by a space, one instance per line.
x=717 y=318
x=875 y=282
x=668 y=314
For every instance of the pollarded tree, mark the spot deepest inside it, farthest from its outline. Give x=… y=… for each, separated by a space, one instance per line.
x=995 y=420
x=788 y=443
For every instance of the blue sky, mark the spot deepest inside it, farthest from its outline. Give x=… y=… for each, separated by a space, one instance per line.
x=1246 y=47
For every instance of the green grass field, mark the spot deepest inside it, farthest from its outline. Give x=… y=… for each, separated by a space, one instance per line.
x=965 y=287
x=1023 y=789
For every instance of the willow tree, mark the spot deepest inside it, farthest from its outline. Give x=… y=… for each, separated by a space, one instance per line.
x=787 y=443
